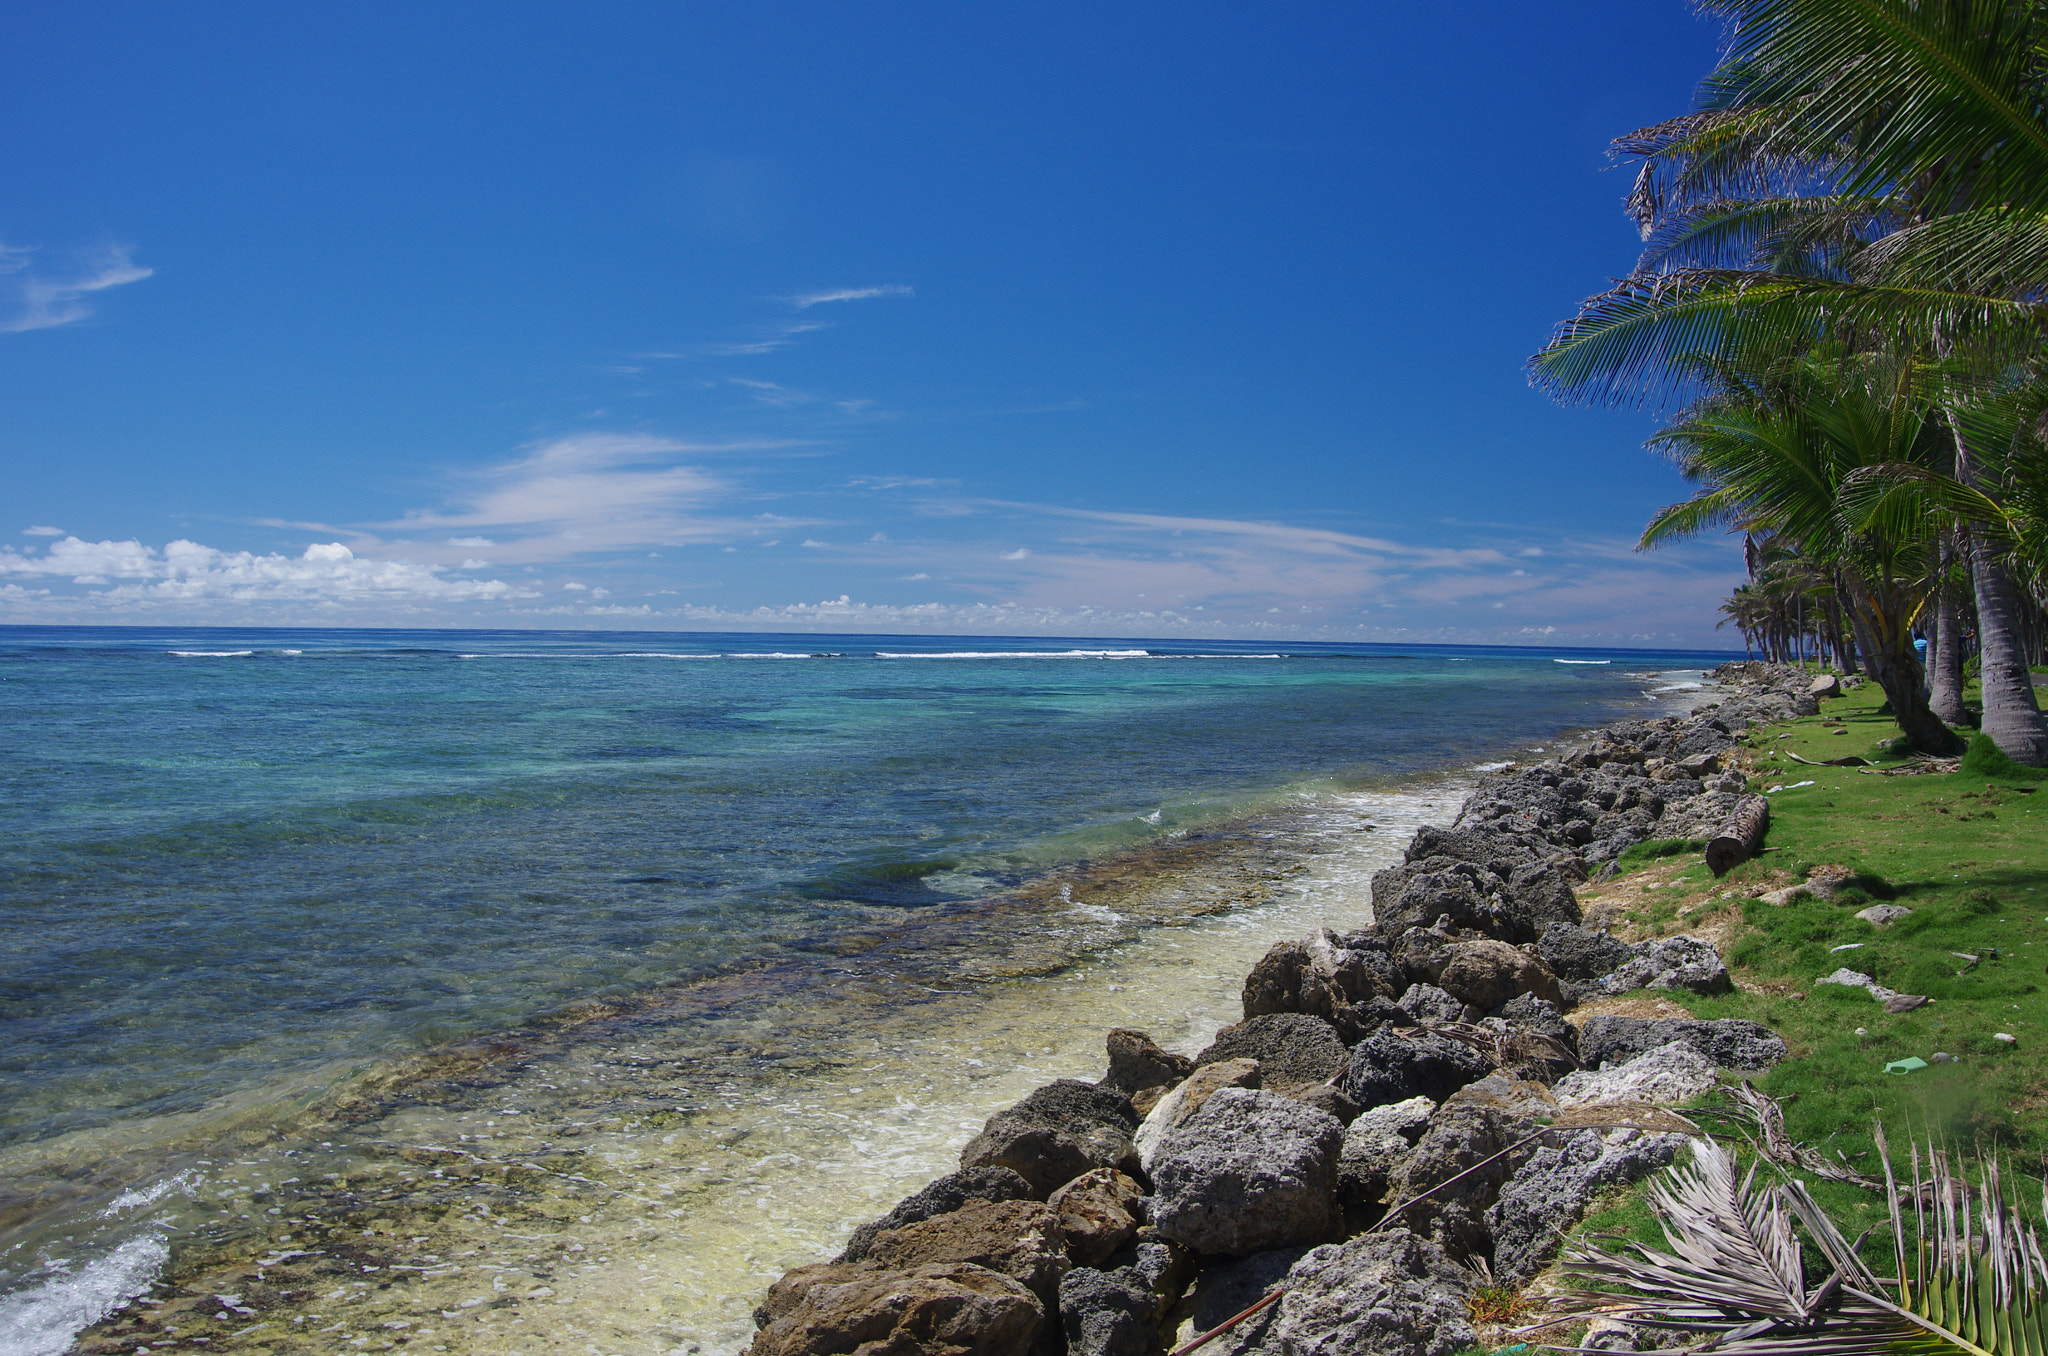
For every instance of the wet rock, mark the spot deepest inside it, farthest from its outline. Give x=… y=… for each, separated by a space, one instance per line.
x=1551 y=1192
x=1373 y=1143
x=941 y=1197
x=1057 y=1133
x=1323 y=976
x=1673 y=963
x=1582 y=954
x=1728 y=1043
x=1187 y=1098
x=1247 y=1172
x=1291 y=1047
x=1428 y=1003
x=1487 y=974
x=1020 y=1239
x=1387 y=1067
x=1459 y=1139
x=789 y=1291
x=1389 y=1294
x=1673 y=1072
x=1227 y=1290
x=1136 y=1063
x=1108 y=1313
x=956 y=1310
x=1098 y=1214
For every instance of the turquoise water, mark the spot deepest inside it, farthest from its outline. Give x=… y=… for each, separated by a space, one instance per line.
x=230 y=860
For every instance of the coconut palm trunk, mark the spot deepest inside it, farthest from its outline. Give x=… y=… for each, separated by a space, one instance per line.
x=2012 y=717
x=1887 y=641
x=1945 y=676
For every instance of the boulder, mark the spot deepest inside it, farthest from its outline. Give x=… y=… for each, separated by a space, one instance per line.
x=1389 y=1294
x=1421 y=954
x=1020 y=1239
x=1436 y=892
x=1136 y=1063
x=1727 y=1042
x=1428 y=1003
x=1670 y=1073
x=1248 y=1172
x=1538 y=898
x=1324 y=976
x=954 y=1310
x=1880 y=915
x=941 y=1197
x=1487 y=974
x=1187 y=1098
x=1108 y=1313
x=1098 y=1213
x=1373 y=1143
x=1327 y=1098
x=1389 y=1067
x=1549 y=1193
x=1226 y=1290
x=1460 y=1137
x=1291 y=1047
x=1057 y=1133
x=1673 y=963
x=1581 y=954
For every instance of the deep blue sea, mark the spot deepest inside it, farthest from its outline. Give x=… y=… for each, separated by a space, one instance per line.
x=239 y=865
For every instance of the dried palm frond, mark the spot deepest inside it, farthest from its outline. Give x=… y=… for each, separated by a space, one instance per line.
x=1973 y=1279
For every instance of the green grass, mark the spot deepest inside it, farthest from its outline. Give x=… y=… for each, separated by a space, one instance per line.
x=1968 y=853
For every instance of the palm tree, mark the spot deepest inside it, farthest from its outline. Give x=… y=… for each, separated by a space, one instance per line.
x=1775 y=451
x=1869 y=172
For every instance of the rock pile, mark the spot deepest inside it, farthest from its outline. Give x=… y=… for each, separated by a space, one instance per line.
x=1399 y=1105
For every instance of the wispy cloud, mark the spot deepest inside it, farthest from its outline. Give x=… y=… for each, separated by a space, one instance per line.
x=46 y=300
x=806 y=300
x=42 y=532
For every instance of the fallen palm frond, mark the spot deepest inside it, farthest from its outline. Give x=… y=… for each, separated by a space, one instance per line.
x=1971 y=1275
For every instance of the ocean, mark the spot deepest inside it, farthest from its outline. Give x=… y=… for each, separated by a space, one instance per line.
x=509 y=991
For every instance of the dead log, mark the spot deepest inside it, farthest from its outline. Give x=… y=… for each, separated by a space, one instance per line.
x=1741 y=837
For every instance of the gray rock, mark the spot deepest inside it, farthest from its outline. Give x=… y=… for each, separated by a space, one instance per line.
x=1057 y=1133
x=1345 y=982
x=1728 y=1042
x=1670 y=1073
x=1291 y=1047
x=1248 y=1172
x=1522 y=1098
x=1374 y=1143
x=1673 y=963
x=1228 y=1289
x=1389 y=1294
x=1881 y=915
x=941 y=1197
x=1487 y=973
x=1435 y=891
x=1447 y=1162
x=1108 y=1313
x=1136 y=1063
x=1428 y=1003
x=1549 y=1193
x=1386 y=1067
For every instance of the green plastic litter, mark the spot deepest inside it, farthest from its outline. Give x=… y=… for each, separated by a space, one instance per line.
x=1906 y=1065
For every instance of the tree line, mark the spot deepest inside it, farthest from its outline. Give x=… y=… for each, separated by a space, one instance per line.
x=1842 y=308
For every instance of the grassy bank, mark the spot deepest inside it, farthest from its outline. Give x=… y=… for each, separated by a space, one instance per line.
x=1966 y=851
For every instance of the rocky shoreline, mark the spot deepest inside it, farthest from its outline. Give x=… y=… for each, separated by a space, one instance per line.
x=1403 y=1117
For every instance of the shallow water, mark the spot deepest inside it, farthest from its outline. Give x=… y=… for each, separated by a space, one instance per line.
x=722 y=954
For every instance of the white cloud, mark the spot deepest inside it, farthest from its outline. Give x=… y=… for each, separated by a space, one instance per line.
x=1021 y=553
x=186 y=571
x=809 y=299
x=42 y=532
x=45 y=301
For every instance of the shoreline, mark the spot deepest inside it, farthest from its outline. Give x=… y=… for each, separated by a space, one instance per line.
x=715 y=998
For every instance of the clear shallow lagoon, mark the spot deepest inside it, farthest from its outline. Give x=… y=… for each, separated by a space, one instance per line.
x=249 y=875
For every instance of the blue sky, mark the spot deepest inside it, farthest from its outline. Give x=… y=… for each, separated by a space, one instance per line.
x=1142 y=319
